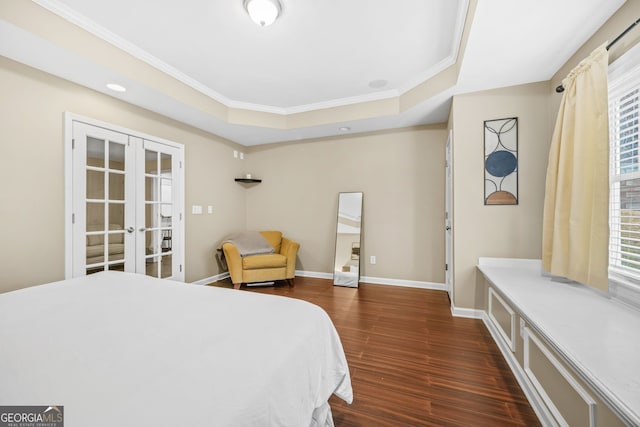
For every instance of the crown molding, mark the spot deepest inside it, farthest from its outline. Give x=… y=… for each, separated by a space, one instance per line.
x=102 y=33
x=305 y=108
x=450 y=60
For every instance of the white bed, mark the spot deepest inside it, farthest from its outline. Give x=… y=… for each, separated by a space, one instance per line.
x=124 y=349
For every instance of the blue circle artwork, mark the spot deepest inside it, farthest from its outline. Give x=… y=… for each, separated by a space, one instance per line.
x=501 y=163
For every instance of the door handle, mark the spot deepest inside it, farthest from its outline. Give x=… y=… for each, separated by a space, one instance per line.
x=447 y=228
x=130 y=230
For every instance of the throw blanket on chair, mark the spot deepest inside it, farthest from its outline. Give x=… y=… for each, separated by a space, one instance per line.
x=248 y=243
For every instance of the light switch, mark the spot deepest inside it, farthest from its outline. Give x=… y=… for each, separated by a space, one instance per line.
x=196 y=210
x=235 y=154
x=241 y=155
x=210 y=209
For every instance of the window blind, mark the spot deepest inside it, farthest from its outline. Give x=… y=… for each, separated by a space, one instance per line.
x=624 y=171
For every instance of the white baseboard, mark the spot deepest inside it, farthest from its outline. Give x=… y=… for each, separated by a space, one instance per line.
x=404 y=283
x=469 y=313
x=378 y=280
x=211 y=279
x=363 y=279
x=314 y=274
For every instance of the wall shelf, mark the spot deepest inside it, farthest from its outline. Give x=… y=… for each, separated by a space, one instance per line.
x=248 y=180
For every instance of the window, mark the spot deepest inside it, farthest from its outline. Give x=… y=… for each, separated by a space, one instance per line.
x=624 y=174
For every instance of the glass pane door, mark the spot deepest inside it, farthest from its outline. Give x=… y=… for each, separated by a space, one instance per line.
x=127 y=198
x=102 y=237
x=157 y=209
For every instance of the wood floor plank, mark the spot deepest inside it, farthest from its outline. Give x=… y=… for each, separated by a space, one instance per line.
x=411 y=362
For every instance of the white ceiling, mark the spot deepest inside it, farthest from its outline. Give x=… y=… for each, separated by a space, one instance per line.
x=318 y=55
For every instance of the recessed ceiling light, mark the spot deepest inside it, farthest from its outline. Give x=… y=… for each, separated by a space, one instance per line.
x=116 y=87
x=377 y=84
x=344 y=129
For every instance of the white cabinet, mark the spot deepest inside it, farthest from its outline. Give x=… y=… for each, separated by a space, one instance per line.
x=568 y=367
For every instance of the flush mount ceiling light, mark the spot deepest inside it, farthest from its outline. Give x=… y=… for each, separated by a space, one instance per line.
x=263 y=12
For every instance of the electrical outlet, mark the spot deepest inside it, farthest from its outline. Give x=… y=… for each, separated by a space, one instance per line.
x=241 y=155
x=210 y=209
x=235 y=154
x=372 y=259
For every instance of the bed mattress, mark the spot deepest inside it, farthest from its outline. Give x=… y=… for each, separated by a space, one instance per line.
x=124 y=349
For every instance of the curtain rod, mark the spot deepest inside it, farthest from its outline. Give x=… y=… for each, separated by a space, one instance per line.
x=560 y=88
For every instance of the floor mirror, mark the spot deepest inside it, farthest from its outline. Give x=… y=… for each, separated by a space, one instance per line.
x=346 y=270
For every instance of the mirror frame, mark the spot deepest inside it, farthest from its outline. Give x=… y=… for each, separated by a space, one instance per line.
x=345 y=278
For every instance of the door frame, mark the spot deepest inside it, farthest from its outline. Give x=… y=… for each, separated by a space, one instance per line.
x=179 y=186
x=448 y=222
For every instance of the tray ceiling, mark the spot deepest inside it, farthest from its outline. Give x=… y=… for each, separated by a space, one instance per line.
x=323 y=68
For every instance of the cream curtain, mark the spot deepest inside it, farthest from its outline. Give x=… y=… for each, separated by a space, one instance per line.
x=575 y=235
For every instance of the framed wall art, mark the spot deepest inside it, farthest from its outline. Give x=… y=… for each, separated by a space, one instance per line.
x=501 y=161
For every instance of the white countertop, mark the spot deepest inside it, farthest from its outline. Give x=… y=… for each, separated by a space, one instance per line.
x=598 y=336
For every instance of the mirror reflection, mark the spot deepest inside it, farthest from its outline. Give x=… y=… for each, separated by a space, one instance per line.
x=346 y=271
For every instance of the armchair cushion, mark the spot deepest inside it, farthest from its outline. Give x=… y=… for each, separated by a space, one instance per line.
x=264 y=261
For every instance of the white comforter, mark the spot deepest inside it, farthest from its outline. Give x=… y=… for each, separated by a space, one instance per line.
x=129 y=350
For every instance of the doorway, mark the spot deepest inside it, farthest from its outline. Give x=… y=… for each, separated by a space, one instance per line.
x=126 y=201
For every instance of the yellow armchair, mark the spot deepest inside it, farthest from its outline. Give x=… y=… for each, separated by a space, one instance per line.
x=280 y=265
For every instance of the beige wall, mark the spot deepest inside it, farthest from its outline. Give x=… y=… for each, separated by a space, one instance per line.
x=497 y=231
x=512 y=231
x=32 y=177
x=401 y=173
x=402 y=176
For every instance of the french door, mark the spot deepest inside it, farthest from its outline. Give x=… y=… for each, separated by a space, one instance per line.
x=126 y=203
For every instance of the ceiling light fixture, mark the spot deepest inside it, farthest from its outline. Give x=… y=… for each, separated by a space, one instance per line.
x=263 y=12
x=116 y=87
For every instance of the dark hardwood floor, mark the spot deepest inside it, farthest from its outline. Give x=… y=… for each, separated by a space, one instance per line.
x=412 y=363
